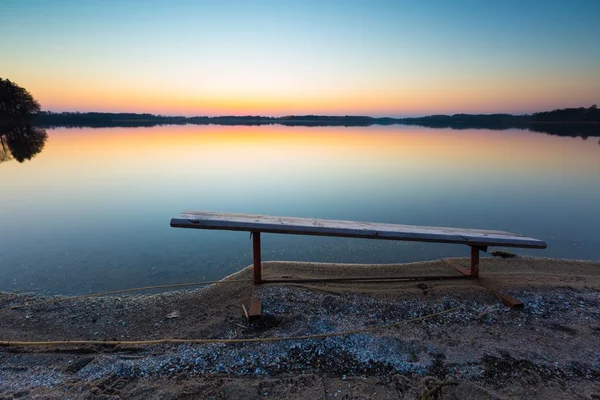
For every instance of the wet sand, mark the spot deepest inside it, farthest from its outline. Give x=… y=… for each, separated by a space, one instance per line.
x=480 y=349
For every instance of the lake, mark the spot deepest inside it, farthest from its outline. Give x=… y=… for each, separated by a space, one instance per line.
x=91 y=212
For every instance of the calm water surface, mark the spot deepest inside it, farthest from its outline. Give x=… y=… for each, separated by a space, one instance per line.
x=91 y=212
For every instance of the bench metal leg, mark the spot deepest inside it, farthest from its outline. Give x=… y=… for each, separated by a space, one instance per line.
x=258 y=269
x=255 y=309
x=475 y=261
x=474 y=271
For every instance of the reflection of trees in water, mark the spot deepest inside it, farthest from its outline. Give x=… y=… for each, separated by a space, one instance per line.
x=21 y=142
x=18 y=138
x=4 y=154
x=581 y=130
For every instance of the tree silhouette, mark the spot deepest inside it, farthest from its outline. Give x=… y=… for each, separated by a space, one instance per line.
x=18 y=138
x=16 y=103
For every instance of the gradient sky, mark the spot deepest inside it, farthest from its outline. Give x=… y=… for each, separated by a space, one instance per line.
x=395 y=58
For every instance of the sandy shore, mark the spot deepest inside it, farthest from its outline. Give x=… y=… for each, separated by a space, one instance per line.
x=481 y=349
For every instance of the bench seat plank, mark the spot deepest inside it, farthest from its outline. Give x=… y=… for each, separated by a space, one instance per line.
x=354 y=229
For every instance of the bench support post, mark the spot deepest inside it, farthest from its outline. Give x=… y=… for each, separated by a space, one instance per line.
x=255 y=309
x=257 y=259
x=475 y=261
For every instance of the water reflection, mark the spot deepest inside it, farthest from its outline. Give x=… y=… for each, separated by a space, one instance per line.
x=106 y=196
x=583 y=131
x=21 y=142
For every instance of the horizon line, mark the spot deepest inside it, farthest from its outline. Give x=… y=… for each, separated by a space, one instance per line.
x=301 y=115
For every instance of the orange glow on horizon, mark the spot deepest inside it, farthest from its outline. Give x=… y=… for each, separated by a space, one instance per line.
x=437 y=97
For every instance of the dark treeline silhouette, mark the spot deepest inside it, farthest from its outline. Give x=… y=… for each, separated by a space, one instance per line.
x=469 y=121
x=324 y=120
x=503 y=121
x=576 y=115
x=17 y=105
x=19 y=139
x=97 y=119
x=582 y=122
x=100 y=120
x=573 y=122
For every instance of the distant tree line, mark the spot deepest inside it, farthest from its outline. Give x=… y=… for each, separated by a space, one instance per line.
x=468 y=121
x=576 y=115
x=575 y=122
x=97 y=119
x=566 y=122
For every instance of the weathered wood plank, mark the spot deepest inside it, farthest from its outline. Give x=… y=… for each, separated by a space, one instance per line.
x=367 y=230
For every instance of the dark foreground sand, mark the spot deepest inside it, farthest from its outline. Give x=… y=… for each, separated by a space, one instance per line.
x=550 y=349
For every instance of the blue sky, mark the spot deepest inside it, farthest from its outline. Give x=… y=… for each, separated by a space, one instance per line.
x=329 y=57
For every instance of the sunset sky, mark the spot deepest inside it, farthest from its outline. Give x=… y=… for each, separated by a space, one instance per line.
x=392 y=58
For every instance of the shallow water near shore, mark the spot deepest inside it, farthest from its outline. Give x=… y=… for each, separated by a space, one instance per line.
x=91 y=212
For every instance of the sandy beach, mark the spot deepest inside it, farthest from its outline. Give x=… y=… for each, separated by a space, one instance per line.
x=475 y=347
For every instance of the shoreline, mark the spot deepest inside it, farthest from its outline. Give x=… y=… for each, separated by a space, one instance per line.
x=315 y=264
x=548 y=349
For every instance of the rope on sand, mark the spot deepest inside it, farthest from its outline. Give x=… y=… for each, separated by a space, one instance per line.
x=229 y=341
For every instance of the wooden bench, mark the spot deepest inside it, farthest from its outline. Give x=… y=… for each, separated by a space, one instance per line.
x=256 y=224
